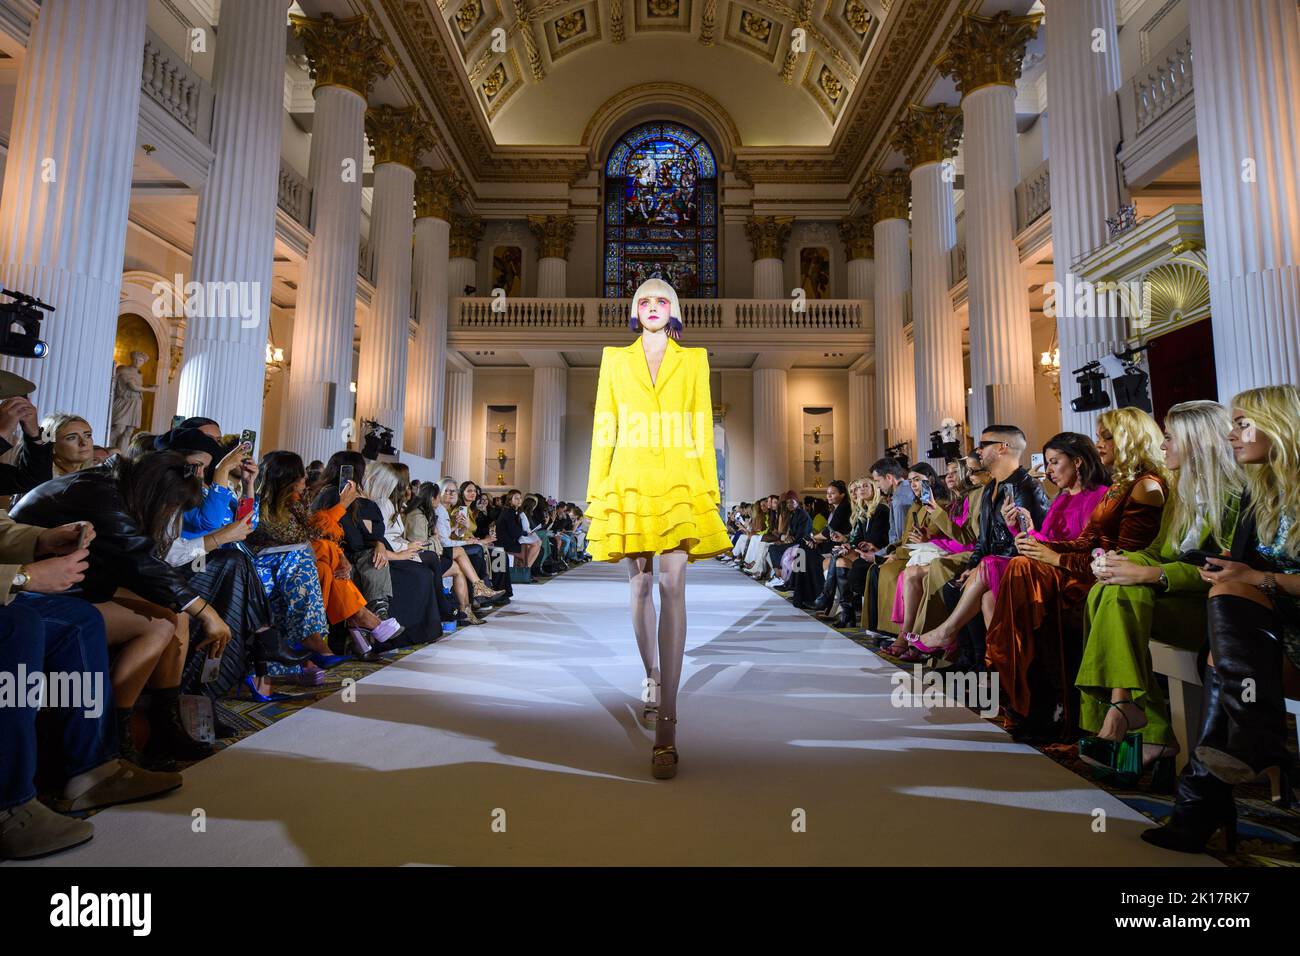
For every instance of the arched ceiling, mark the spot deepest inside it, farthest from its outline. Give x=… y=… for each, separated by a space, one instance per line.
x=540 y=68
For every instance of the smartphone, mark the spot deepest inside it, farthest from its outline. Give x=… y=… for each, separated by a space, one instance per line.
x=84 y=539
x=345 y=475
x=1201 y=558
x=211 y=670
x=249 y=438
x=176 y=421
x=1036 y=461
x=1023 y=523
x=927 y=496
x=245 y=509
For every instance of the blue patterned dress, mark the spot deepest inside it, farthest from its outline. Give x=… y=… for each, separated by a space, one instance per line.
x=291 y=583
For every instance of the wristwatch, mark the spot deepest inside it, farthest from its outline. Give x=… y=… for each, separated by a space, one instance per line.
x=1162 y=582
x=1269 y=584
x=20 y=581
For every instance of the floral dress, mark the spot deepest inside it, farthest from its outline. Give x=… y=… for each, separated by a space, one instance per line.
x=286 y=566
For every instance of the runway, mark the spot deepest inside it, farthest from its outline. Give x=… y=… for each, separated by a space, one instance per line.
x=516 y=743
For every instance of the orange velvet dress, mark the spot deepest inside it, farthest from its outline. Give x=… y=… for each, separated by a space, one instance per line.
x=342 y=599
x=1034 y=600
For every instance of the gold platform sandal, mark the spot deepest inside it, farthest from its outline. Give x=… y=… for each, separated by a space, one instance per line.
x=660 y=767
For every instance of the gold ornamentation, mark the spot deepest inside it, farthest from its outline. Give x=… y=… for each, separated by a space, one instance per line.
x=495 y=81
x=397 y=135
x=928 y=134
x=466 y=231
x=663 y=8
x=571 y=25
x=468 y=15
x=859 y=237
x=767 y=235
x=888 y=195
x=435 y=191
x=830 y=84
x=752 y=25
x=525 y=19
x=554 y=234
x=342 y=52
x=988 y=51
x=708 y=22
x=858 y=16
x=616 y=32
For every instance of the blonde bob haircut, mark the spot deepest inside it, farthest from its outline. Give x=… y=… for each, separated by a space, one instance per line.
x=1137 y=440
x=656 y=287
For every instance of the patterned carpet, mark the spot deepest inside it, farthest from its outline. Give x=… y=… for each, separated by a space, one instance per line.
x=1266 y=835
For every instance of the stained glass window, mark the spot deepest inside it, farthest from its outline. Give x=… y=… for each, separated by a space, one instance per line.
x=661 y=212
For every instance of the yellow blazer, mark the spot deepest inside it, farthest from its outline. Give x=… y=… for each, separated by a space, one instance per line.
x=653 y=482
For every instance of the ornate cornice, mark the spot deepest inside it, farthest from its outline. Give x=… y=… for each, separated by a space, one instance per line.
x=435 y=192
x=987 y=51
x=928 y=134
x=767 y=235
x=859 y=237
x=888 y=195
x=398 y=135
x=466 y=231
x=554 y=235
x=342 y=52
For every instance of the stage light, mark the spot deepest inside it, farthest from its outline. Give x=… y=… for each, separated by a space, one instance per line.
x=1093 y=397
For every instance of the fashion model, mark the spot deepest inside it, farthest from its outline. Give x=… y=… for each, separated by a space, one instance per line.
x=653 y=490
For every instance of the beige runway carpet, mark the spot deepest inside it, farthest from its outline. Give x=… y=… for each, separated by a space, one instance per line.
x=516 y=743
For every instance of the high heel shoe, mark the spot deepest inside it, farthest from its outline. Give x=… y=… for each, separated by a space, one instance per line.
x=661 y=769
x=1121 y=758
x=325 y=661
x=274 y=646
x=250 y=682
x=471 y=617
x=480 y=589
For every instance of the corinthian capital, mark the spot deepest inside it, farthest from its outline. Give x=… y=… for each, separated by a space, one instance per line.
x=859 y=237
x=768 y=234
x=435 y=191
x=466 y=231
x=397 y=136
x=987 y=51
x=928 y=134
x=342 y=52
x=554 y=234
x=888 y=195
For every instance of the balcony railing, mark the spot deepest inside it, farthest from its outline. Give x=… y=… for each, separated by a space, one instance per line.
x=1163 y=83
x=1033 y=197
x=167 y=80
x=831 y=315
x=294 y=195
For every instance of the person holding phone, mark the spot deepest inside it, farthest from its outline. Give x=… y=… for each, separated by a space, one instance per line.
x=1151 y=591
x=1253 y=627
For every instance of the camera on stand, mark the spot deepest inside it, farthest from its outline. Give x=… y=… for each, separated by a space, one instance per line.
x=1128 y=380
x=378 y=440
x=899 y=452
x=946 y=442
x=20 y=334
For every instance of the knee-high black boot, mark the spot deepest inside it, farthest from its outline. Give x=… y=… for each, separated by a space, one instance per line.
x=844 y=595
x=1202 y=802
x=1248 y=657
x=823 y=600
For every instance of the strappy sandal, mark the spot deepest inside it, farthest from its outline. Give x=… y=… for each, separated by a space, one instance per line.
x=1122 y=758
x=661 y=769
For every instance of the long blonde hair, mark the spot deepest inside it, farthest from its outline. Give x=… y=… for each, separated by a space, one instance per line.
x=1273 y=486
x=1207 y=476
x=1137 y=440
x=380 y=482
x=860 y=510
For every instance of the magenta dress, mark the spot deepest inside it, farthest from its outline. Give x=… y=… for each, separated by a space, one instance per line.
x=1065 y=520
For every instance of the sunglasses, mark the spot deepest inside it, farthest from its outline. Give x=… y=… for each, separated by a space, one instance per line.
x=985 y=444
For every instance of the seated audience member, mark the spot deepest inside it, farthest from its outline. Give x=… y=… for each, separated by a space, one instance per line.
x=793 y=528
x=286 y=565
x=18 y=416
x=134 y=507
x=830 y=543
x=1148 y=592
x=472 y=585
x=510 y=533
x=1253 y=628
x=1032 y=640
x=141 y=444
x=915 y=530
x=42 y=629
x=762 y=527
x=402 y=589
x=417 y=522
x=1000 y=450
x=868 y=533
x=71 y=448
x=479 y=537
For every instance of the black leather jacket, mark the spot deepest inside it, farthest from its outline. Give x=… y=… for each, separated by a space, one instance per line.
x=509 y=530
x=995 y=538
x=122 y=555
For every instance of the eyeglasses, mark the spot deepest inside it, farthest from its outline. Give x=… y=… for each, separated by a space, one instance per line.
x=985 y=444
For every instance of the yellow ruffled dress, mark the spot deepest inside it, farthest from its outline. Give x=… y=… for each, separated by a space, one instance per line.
x=653 y=483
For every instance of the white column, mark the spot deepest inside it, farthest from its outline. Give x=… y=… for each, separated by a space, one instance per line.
x=428 y=358
x=1001 y=358
x=381 y=382
x=895 y=389
x=940 y=373
x=862 y=279
x=771 y=433
x=461 y=272
x=1247 y=125
x=546 y=443
x=67 y=187
x=325 y=316
x=459 y=413
x=861 y=451
x=1082 y=133
x=234 y=239
x=552 y=277
x=769 y=275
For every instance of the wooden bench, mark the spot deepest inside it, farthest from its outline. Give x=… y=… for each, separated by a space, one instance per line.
x=1187 y=696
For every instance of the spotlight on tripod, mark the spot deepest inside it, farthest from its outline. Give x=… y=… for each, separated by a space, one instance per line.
x=899 y=452
x=378 y=440
x=1128 y=381
x=1092 y=382
x=20 y=326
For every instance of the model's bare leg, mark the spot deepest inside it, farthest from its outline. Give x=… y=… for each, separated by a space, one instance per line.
x=969 y=604
x=913 y=587
x=672 y=639
x=640 y=575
